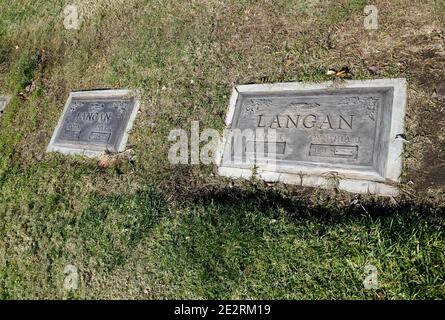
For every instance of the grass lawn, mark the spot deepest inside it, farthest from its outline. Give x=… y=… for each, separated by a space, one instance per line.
x=137 y=227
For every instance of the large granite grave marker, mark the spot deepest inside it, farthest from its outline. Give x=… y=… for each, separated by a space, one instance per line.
x=94 y=122
x=325 y=135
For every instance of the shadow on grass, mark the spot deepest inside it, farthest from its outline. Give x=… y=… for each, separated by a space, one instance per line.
x=233 y=243
x=301 y=204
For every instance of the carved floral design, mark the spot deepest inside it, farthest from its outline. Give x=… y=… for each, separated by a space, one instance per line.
x=252 y=106
x=121 y=107
x=369 y=103
x=76 y=105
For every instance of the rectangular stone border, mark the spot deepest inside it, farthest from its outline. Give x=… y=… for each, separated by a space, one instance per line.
x=121 y=93
x=7 y=100
x=393 y=162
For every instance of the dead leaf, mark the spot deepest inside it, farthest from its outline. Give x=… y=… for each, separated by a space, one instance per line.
x=342 y=73
x=287 y=64
x=105 y=161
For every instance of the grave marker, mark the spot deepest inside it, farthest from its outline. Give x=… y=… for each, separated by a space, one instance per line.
x=324 y=135
x=94 y=122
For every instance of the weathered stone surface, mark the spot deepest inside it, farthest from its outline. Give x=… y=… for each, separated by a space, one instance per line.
x=3 y=102
x=346 y=131
x=94 y=122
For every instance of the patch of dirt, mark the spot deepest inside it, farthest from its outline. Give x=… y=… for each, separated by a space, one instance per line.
x=410 y=46
x=432 y=171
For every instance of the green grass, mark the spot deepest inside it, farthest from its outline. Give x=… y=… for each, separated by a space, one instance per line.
x=232 y=251
x=262 y=246
x=142 y=228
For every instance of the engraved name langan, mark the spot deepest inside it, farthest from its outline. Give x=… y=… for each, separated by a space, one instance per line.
x=95 y=113
x=101 y=117
x=308 y=121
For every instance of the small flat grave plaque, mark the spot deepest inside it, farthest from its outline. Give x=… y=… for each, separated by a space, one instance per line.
x=324 y=135
x=94 y=122
x=3 y=102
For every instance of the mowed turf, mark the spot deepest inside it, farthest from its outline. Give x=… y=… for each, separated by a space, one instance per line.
x=137 y=227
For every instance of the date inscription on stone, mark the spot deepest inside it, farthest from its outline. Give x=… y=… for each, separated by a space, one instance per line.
x=334 y=151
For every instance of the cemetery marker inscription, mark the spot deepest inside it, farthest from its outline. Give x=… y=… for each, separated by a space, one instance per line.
x=94 y=122
x=324 y=135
